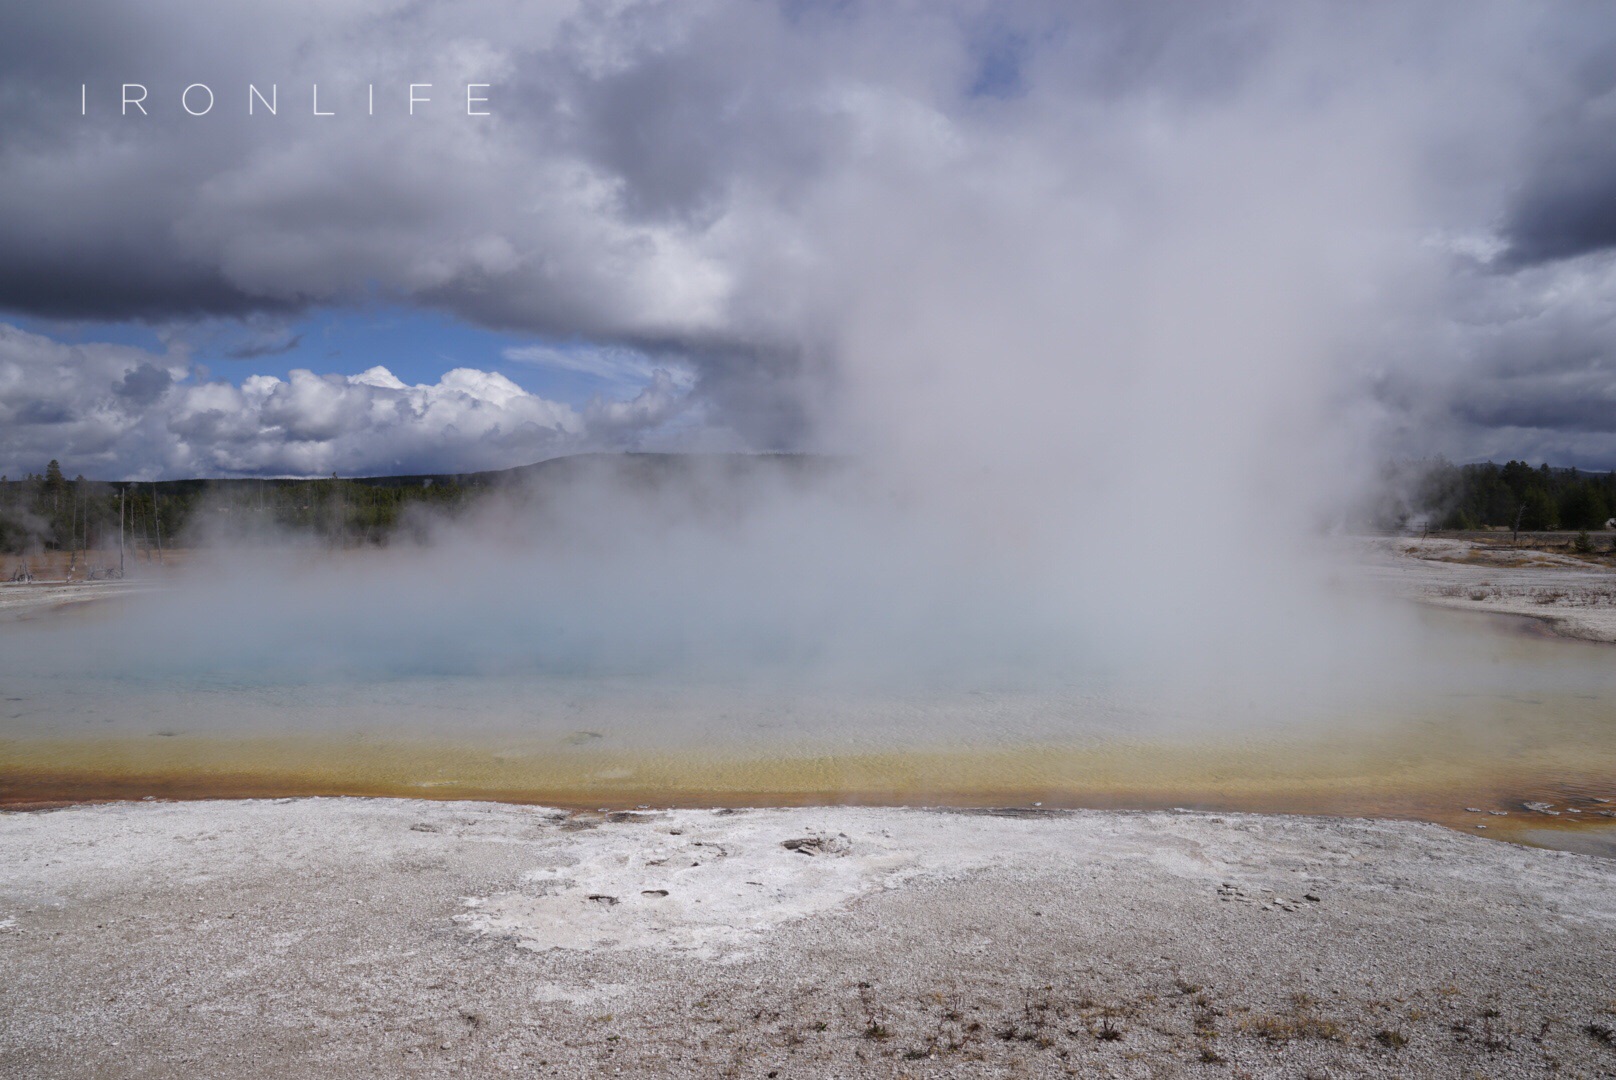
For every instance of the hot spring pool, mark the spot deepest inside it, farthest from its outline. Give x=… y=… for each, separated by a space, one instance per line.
x=1499 y=717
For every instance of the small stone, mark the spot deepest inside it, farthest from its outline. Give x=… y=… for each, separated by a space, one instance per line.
x=1472 y=809
x=1481 y=826
x=445 y=1046
x=819 y=845
x=1499 y=813
x=1310 y=896
x=1542 y=808
x=1572 y=810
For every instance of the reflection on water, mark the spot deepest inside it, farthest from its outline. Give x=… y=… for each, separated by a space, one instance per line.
x=1496 y=716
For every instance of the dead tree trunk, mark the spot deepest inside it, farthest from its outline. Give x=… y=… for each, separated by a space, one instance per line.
x=157 y=521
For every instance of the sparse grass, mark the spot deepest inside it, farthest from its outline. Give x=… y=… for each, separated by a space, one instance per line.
x=1490 y=1037
x=952 y=1034
x=1303 y=1022
x=1057 y=1024
x=1042 y=1030
x=875 y=1027
x=1280 y=1029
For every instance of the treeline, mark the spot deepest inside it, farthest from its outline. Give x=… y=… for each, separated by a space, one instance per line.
x=48 y=512
x=1514 y=495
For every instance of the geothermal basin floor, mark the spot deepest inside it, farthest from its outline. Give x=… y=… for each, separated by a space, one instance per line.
x=358 y=937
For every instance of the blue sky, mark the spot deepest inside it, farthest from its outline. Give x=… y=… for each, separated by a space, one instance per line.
x=416 y=345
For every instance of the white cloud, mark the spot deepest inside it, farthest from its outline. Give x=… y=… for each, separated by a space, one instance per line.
x=73 y=403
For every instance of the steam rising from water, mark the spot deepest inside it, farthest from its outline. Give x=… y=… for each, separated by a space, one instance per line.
x=774 y=575
x=1094 y=364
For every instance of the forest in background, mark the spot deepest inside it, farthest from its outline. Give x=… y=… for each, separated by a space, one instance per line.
x=50 y=512
x=1510 y=496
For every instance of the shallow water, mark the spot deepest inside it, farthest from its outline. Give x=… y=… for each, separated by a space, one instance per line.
x=1499 y=717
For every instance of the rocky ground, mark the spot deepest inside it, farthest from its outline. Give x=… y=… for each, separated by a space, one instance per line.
x=326 y=938
x=1575 y=597
x=21 y=600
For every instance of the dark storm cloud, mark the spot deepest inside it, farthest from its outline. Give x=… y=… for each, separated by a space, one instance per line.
x=84 y=286
x=1525 y=367
x=1564 y=204
x=1567 y=207
x=88 y=227
x=144 y=385
x=1575 y=405
x=43 y=413
x=677 y=133
x=255 y=349
x=1565 y=218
